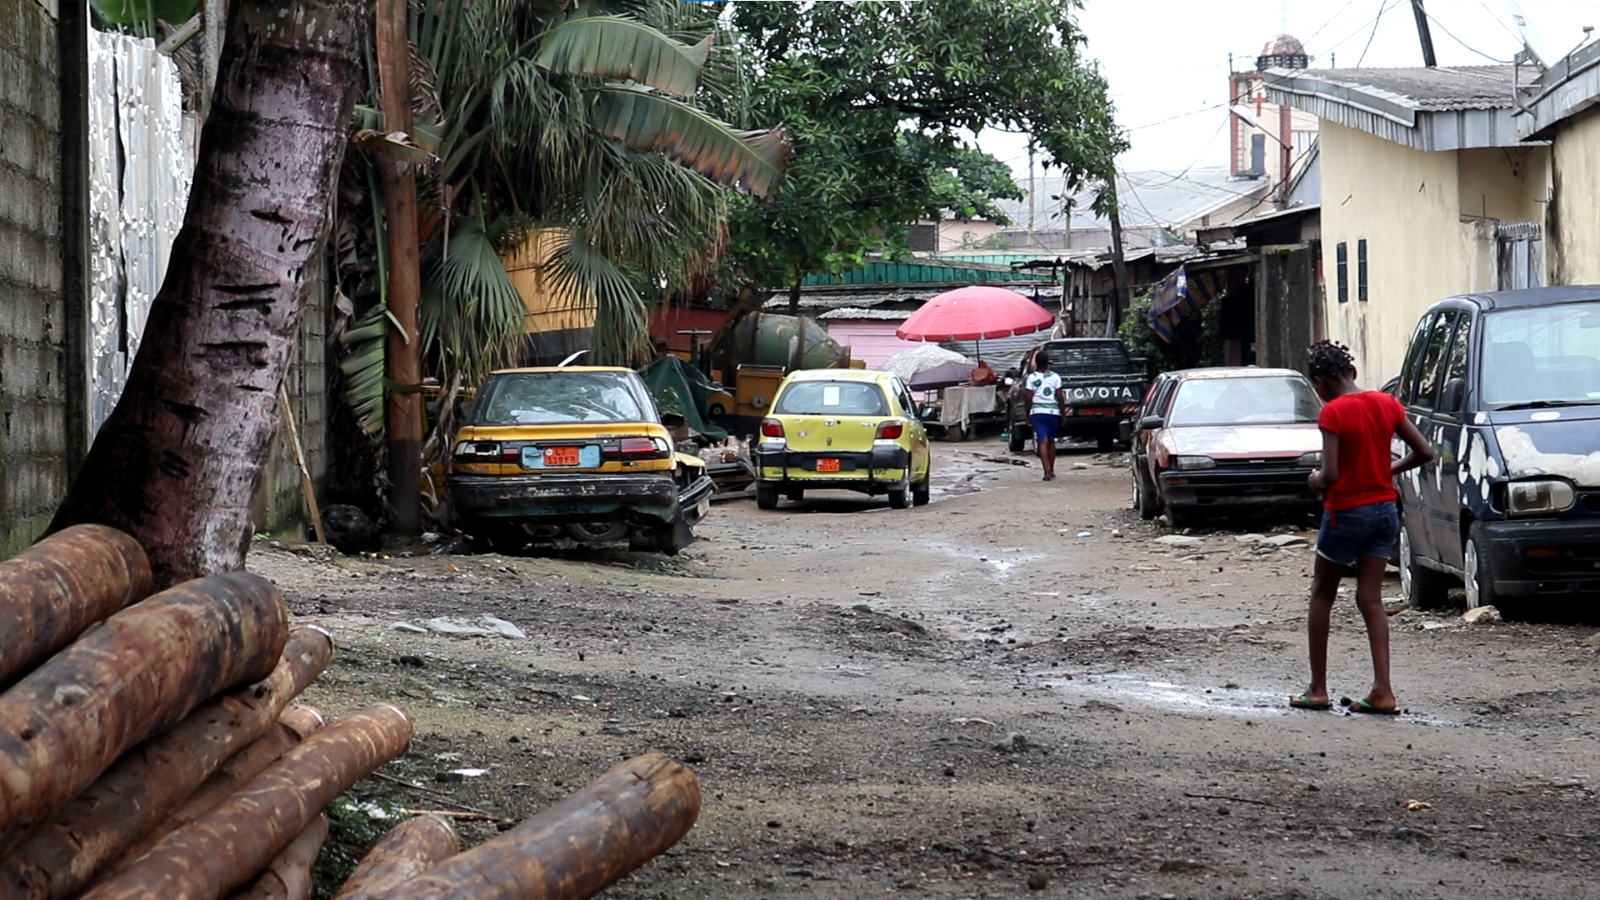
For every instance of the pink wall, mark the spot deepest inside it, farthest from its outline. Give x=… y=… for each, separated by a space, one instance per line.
x=870 y=340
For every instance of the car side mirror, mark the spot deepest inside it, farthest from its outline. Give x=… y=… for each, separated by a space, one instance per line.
x=1455 y=392
x=1151 y=423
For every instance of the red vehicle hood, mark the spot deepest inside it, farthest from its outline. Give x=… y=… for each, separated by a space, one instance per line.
x=1241 y=441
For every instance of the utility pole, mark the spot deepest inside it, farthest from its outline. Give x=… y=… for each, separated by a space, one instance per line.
x=1119 y=266
x=1033 y=192
x=403 y=348
x=1424 y=34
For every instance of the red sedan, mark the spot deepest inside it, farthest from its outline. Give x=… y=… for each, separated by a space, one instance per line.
x=1226 y=440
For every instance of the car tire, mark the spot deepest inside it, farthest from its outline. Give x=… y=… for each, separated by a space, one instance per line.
x=766 y=496
x=899 y=497
x=1420 y=586
x=1144 y=498
x=1477 y=577
x=506 y=539
x=597 y=532
x=921 y=492
x=1179 y=516
x=673 y=537
x=795 y=495
x=1018 y=441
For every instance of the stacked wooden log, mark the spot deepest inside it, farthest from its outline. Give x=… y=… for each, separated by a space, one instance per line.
x=151 y=747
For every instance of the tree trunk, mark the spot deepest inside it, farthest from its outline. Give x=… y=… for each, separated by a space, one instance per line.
x=1119 y=272
x=794 y=291
x=402 y=359
x=179 y=460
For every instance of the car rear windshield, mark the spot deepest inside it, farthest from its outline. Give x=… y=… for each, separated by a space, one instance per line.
x=1251 y=400
x=832 y=398
x=1547 y=355
x=1087 y=358
x=554 y=398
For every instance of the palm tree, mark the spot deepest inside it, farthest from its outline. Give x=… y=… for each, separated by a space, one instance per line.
x=532 y=115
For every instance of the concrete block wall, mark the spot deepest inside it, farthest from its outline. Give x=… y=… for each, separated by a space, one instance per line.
x=33 y=329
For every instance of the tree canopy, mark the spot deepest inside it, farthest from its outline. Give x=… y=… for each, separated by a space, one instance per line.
x=882 y=101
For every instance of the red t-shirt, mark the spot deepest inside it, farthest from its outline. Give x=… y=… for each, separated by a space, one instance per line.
x=1364 y=424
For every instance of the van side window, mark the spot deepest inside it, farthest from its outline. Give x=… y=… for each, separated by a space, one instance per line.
x=1428 y=379
x=1408 y=373
x=1455 y=363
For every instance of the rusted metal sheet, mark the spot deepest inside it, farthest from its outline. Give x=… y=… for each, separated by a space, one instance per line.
x=134 y=675
x=408 y=850
x=580 y=846
x=288 y=877
x=225 y=848
x=52 y=591
x=141 y=162
x=147 y=783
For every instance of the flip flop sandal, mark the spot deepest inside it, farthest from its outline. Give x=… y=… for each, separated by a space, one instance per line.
x=1301 y=701
x=1362 y=706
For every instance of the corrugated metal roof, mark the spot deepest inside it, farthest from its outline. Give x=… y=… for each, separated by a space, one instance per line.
x=1165 y=199
x=1435 y=109
x=1571 y=86
x=856 y=312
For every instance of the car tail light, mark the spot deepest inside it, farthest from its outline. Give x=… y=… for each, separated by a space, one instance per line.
x=891 y=431
x=480 y=451
x=771 y=428
x=635 y=448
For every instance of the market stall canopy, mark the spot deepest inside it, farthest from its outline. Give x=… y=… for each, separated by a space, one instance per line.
x=943 y=376
x=909 y=363
x=974 y=313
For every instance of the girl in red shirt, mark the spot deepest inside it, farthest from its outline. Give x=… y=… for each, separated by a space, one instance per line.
x=1360 y=521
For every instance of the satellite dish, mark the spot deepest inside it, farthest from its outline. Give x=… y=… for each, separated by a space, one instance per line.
x=1532 y=44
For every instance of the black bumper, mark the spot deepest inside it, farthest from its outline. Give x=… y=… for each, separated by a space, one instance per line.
x=558 y=498
x=855 y=468
x=1575 y=569
x=1241 y=490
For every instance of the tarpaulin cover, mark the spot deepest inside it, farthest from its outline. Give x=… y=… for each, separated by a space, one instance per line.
x=1178 y=295
x=678 y=387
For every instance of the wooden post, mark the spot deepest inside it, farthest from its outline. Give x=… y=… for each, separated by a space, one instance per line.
x=1119 y=271
x=300 y=463
x=403 y=350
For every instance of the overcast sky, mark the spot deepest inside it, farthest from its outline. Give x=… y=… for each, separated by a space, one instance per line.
x=1167 y=60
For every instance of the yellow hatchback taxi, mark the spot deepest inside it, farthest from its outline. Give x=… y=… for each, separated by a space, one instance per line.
x=843 y=429
x=578 y=450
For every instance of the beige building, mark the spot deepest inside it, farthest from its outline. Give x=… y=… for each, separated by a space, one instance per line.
x=1562 y=106
x=1427 y=192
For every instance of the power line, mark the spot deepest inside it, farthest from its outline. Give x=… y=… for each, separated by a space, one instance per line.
x=1329 y=22
x=1381 y=10
x=1452 y=36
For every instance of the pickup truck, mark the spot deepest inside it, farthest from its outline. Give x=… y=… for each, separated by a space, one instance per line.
x=1102 y=386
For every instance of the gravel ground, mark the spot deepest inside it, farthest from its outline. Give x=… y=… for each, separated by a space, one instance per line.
x=1016 y=690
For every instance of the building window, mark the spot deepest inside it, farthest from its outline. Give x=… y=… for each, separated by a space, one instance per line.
x=1344 y=273
x=1361 y=270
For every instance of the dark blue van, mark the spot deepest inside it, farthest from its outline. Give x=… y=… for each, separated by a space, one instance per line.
x=1507 y=388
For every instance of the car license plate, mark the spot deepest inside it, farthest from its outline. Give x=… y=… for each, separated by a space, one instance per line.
x=1097 y=411
x=560 y=456
x=827 y=465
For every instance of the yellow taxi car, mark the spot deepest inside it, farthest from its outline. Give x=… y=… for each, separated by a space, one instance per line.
x=843 y=429
x=579 y=450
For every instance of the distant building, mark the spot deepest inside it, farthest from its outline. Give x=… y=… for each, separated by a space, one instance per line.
x=1267 y=139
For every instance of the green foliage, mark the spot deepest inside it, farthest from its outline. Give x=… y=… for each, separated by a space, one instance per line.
x=876 y=98
x=353 y=828
x=138 y=17
x=1197 y=341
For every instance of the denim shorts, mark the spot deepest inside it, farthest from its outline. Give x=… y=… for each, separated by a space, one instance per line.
x=1045 y=427
x=1370 y=530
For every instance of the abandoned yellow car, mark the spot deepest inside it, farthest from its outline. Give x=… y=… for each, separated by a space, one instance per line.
x=577 y=452
x=843 y=429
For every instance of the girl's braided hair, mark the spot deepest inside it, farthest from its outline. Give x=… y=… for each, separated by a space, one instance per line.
x=1328 y=358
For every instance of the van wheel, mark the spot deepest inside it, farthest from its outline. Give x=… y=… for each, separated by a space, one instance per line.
x=1420 y=586
x=1477 y=578
x=766 y=496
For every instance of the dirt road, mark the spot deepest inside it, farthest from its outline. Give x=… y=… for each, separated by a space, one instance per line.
x=1016 y=683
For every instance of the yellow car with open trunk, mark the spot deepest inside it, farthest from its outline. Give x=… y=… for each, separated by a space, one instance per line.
x=843 y=429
